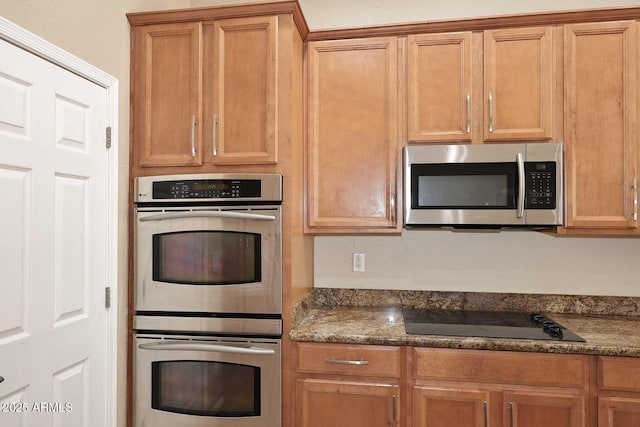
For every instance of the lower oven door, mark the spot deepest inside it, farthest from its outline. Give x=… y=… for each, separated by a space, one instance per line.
x=201 y=381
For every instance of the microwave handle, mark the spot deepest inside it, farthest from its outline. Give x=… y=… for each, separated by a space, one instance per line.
x=521 y=185
x=218 y=348
x=208 y=214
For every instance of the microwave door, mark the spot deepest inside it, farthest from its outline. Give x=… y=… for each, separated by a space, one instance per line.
x=466 y=194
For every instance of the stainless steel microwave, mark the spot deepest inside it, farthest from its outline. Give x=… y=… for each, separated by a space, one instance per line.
x=484 y=185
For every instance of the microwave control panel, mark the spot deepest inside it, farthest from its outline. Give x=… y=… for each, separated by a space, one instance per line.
x=540 y=184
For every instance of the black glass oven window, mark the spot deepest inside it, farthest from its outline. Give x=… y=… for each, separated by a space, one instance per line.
x=464 y=186
x=215 y=389
x=207 y=257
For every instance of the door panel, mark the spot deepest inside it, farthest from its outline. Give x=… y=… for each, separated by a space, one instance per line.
x=53 y=175
x=437 y=407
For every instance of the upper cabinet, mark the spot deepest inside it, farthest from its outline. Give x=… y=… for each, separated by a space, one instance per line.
x=518 y=84
x=167 y=95
x=353 y=145
x=213 y=87
x=241 y=109
x=496 y=85
x=601 y=139
x=440 y=82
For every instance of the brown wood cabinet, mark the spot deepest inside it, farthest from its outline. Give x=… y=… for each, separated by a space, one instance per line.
x=447 y=73
x=205 y=93
x=618 y=383
x=601 y=84
x=347 y=385
x=479 y=388
x=167 y=83
x=353 y=142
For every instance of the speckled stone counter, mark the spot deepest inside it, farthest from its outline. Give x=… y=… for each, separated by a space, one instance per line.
x=374 y=323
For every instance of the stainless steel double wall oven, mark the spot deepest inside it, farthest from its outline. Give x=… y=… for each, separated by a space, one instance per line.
x=208 y=300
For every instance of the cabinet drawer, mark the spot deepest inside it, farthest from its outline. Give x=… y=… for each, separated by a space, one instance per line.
x=618 y=373
x=348 y=359
x=559 y=370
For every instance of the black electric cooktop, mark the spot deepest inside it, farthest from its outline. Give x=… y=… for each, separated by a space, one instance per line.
x=490 y=324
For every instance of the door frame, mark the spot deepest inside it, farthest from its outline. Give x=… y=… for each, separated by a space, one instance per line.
x=34 y=44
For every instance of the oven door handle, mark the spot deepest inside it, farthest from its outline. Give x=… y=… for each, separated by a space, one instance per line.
x=218 y=348
x=207 y=214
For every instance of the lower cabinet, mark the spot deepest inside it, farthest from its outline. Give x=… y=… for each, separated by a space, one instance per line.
x=340 y=385
x=324 y=403
x=618 y=392
x=485 y=405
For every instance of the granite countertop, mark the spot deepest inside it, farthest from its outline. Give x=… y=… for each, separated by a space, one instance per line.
x=606 y=335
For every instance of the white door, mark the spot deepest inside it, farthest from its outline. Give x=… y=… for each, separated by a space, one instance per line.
x=53 y=245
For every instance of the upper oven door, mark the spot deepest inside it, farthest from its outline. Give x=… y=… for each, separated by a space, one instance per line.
x=225 y=260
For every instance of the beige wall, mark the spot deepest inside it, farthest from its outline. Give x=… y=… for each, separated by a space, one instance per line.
x=97 y=32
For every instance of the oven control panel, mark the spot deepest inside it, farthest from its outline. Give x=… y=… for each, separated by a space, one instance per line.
x=209 y=187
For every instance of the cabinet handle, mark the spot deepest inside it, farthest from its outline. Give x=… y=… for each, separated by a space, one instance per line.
x=468 y=112
x=486 y=414
x=1 y=379
x=394 y=400
x=215 y=135
x=635 y=199
x=392 y=206
x=490 y=112
x=510 y=414
x=193 y=136
x=347 y=362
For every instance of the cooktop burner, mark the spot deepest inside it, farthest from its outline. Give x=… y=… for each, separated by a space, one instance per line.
x=488 y=324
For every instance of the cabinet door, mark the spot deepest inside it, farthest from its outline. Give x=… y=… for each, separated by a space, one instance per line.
x=518 y=84
x=167 y=92
x=440 y=87
x=243 y=103
x=600 y=122
x=323 y=403
x=618 y=412
x=438 y=407
x=548 y=409
x=353 y=150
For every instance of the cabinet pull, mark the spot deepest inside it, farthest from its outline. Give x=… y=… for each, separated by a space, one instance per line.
x=635 y=199
x=193 y=136
x=347 y=362
x=468 y=112
x=485 y=413
x=1 y=379
x=215 y=135
x=490 y=112
x=394 y=400
x=510 y=414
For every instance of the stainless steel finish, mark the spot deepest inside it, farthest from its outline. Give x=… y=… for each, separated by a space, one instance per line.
x=482 y=153
x=392 y=204
x=485 y=413
x=490 y=112
x=149 y=349
x=521 y=186
x=107 y=297
x=205 y=346
x=510 y=414
x=213 y=325
x=261 y=297
x=635 y=199
x=347 y=362
x=214 y=137
x=271 y=186
x=193 y=136
x=394 y=401
x=208 y=214
x=108 y=137
x=468 y=112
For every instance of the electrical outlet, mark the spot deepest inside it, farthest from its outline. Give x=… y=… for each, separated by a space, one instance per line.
x=358 y=262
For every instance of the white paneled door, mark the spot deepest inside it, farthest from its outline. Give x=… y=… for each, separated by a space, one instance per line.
x=53 y=245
